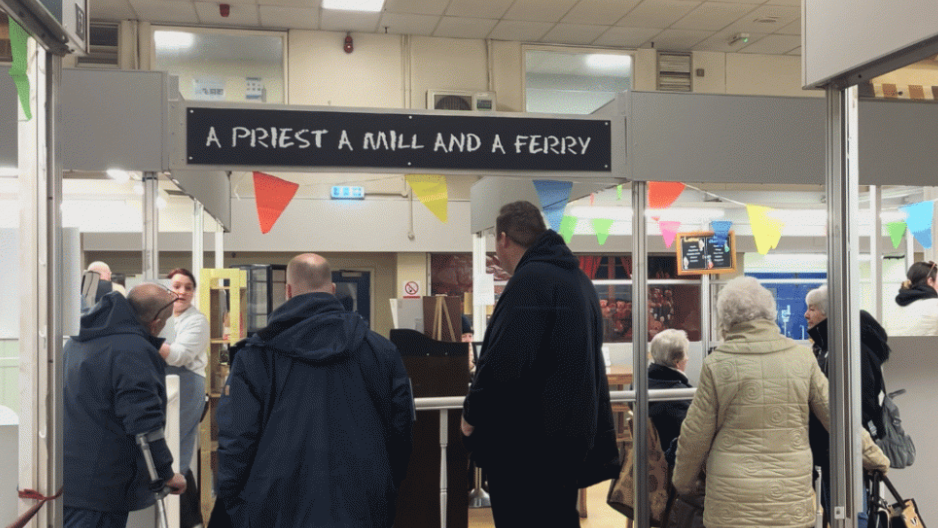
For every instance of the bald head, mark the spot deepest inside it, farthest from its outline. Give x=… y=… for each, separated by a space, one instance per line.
x=152 y=304
x=102 y=269
x=308 y=273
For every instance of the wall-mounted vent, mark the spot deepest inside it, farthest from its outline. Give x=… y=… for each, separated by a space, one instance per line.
x=466 y=101
x=103 y=46
x=674 y=69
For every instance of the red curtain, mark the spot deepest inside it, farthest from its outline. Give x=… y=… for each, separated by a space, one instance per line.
x=590 y=264
x=626 y=263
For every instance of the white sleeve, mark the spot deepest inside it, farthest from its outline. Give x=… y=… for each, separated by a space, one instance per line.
x=192 y=338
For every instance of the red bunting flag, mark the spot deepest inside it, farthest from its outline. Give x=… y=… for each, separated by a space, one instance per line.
x=272 y=195
x=663 y=194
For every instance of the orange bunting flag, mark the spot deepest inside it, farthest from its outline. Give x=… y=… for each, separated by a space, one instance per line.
x=663 y=194
x=272 y=195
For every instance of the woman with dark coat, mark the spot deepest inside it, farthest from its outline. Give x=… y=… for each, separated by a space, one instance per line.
x=669 y=360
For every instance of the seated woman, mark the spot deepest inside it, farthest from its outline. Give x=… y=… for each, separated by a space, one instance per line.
x=669 y=360
x=748 y=421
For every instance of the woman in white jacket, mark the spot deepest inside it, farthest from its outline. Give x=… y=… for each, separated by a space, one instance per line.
x=918 y=302
x=748 y=422
x=185 y=353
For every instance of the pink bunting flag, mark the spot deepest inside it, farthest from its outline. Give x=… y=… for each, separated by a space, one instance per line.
x=669 y=229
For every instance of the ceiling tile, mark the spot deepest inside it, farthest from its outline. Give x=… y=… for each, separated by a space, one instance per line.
x=461 y=27
x=796 y=51
x=239 y=15
x=758 y=20
x=417 y=7
x=796 y=3
x=306 y=4
x=599 y=11
x=289 y=17
x=539 y=10
x=478 y=8
x=111 y=10
x=573 y=34
x=518 y=31
x=773 y=45
x=791 y=29
x=168 y=12
x=626 y=37
x=713 y=16
x=751 y=2
x=401 y=24
x=679 y=39
x=332 y=20
x=721 y=42
x=657 y=13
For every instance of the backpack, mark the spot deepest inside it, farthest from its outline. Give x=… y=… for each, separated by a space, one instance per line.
x=895 y=443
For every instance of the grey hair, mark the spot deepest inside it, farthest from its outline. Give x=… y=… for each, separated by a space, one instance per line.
x=669 y=347
x=818 y=298
x=743 y=299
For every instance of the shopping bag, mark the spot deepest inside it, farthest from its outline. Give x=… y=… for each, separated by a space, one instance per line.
x=903 y=513
x=622 y=491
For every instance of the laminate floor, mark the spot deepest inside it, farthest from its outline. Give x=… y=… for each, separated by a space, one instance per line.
x=599 y=514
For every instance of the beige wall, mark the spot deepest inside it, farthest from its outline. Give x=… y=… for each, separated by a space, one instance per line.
x=412 y=267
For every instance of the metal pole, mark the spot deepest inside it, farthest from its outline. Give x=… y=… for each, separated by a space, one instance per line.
x=639 y=352
x=478 y=270
x=876 y=261
x=198 y=242
x=844 y=328
x=151 y=227
x=444 y=441
x=219 y=248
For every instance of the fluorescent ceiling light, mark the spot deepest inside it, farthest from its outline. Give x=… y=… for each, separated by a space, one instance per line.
x=119 y=175
x=609 y=62
x=173 y=40
x=372 y=6
x=9 y=172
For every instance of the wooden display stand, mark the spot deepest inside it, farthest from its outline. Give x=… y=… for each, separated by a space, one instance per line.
x=436 y=369
x=223 y=300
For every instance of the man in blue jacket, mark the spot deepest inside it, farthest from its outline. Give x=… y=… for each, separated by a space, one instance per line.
x=114 y=391
x=314 y=425
x=538 y=416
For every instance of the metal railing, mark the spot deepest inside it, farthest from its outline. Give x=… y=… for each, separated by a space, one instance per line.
x=445 y=404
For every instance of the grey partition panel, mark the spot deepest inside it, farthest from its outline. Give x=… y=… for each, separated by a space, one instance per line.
x=843 y=36
x=113 y=119
x=725 y=138
x=9 y=104
x=211 y=188
x=898 y=143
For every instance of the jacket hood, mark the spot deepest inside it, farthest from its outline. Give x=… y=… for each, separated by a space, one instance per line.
x=759 y=336
x=314 y=327
x=908 y=296
x=872 y=336
x=110 y=316
x=549 y=248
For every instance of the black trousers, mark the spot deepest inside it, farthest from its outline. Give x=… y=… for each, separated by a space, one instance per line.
x=532 y=495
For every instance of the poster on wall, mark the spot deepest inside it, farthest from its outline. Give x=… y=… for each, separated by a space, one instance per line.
x=254 y=89
x=208 y=89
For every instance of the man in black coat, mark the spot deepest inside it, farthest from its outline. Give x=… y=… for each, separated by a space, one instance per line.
x=538 y=416
x=314 y=425
x=114 y=391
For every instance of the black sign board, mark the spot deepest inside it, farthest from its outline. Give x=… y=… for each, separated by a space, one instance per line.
x=697 y=254
x=411 y=142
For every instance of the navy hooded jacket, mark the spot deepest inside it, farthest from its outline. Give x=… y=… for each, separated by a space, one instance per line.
x=114 y=390
x=315 y=421
x=540 y=387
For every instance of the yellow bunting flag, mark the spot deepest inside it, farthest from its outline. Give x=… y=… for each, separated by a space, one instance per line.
x=431 y=191
x=767 y=231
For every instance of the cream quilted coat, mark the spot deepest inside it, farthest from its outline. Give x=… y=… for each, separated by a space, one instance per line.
x=749 y=423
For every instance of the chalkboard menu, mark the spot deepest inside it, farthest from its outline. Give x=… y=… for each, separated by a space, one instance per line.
x=697 y=254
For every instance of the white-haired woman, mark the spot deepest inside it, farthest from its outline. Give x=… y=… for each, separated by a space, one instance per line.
x=749 y=420
x=669 y=360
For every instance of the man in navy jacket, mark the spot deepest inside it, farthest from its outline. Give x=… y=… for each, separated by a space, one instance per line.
x=538 y=416
x=114 y=391
x=314 y=426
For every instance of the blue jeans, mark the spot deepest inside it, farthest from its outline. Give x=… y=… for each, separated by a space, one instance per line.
x=80 y=518
x=191 y=403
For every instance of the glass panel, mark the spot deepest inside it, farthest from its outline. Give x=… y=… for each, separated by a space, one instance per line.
x=574 y=82
x=669 y=306
x=216 y=66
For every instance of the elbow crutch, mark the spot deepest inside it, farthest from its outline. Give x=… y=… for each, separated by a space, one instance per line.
x=157 y=486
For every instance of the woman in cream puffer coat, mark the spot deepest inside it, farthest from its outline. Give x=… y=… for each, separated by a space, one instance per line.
x=749 y=420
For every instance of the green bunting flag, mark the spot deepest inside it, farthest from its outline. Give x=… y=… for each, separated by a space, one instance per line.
x=18 y=38
x=895 y=230
x=619 y=192
x=601 y=226
x=567 y=226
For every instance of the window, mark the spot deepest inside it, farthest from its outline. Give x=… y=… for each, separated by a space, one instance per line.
x=574 y=82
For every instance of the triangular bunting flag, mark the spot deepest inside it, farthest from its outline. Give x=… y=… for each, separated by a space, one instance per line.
x=567 y=227
x=663 y=194
x=619 y=192
x=669 y=229
x=767 y=231
x=553 y=195
x=895 y=230
x=18 y=39
x=271 y=195
x=721 y=231
x=919 y=221
x=432 y=192
x=602 y=226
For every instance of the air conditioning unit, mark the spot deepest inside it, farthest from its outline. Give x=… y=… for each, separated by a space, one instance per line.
x=459 y=100
x=103 y=46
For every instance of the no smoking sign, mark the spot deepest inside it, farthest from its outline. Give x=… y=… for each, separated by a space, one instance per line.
x=411 y=289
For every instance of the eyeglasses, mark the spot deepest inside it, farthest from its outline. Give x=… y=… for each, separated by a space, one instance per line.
x=175 y=298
